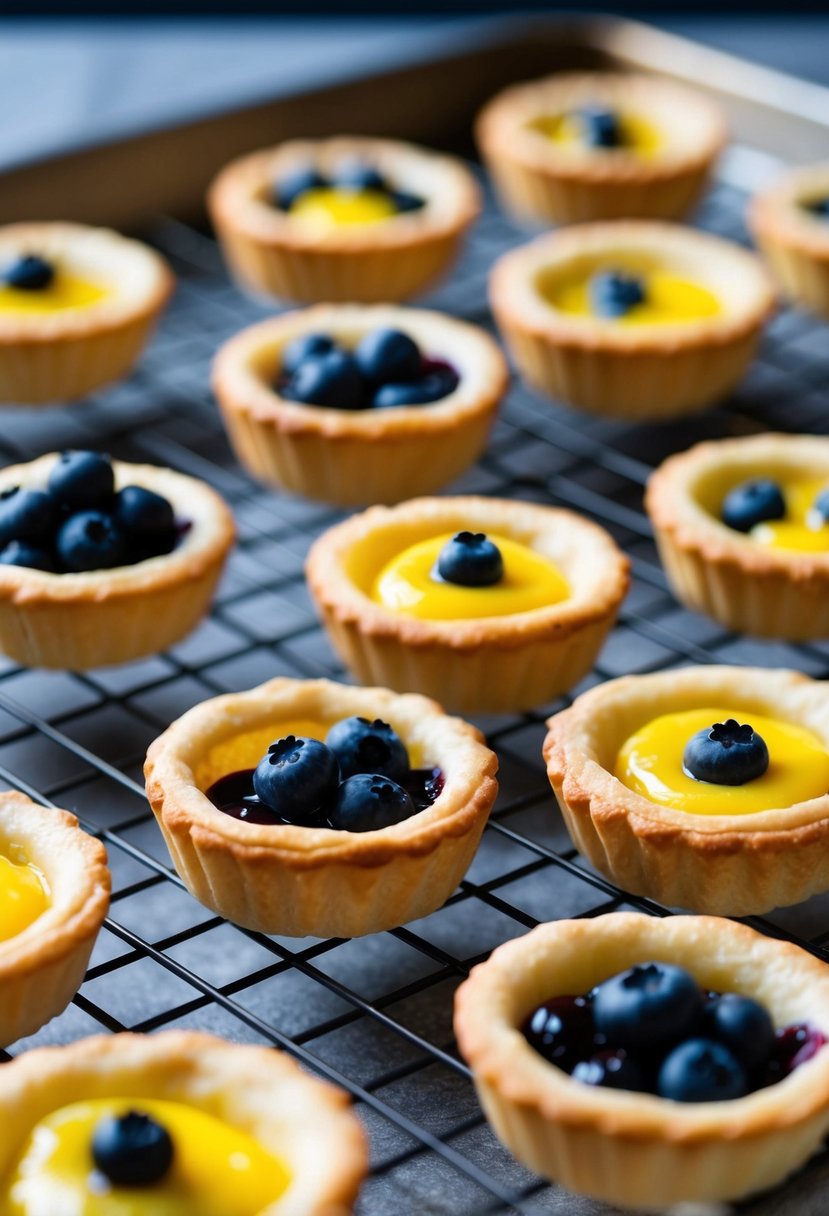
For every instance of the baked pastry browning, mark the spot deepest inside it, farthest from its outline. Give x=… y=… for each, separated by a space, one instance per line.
x=719 y=861
x=42 y=962
x=304 y=1124
x=771 y=590
x=58 y=344
x=97 y=617
x=545 y=171
x=790 y=223
x=295 y=880
x=270 y=252
x=356 y=456
x=653 y=1152
x=474 y=662
x=659 y=362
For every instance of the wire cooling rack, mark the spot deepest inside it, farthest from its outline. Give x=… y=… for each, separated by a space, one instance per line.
x=372 y=1014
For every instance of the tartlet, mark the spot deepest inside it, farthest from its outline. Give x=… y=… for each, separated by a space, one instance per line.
x=56 y=348
x=92 y=619
x=731 y=864
x=793 y=234
x=625 y=367
x=478 y=663
x=302 y=1122
x=42 y=965
x=676 y=135
x=270 y=253
x=765 y=589
x=295 y=880
x=356 y=456
x=653 y=1152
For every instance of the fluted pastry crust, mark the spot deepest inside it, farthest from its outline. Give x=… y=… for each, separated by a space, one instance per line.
x=652 y=1152
x=731 y=865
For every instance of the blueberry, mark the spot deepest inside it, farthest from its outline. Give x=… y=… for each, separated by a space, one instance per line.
x=82 y=481
x=287 y=189
x=27 y=515
x=29 y=273
x=356 y=175
x=306 y=346
x=91 y=540
x=146 y=518
x=332 y=380
x=752 y=503
x=651 y=1004
x=600 y=127
x=433 y=386
x=470 y=559
x=822 y=505
x=20 y=553
x=742 y=1024
x=405 y=202
x=610 y=1070
x=368 y=747
x=388 y=355
x=817 y=206
x=726 y=753
x=701 y=1070
x=297 y=777
x=613 y=293
x=367 y=802
x=132 y=1149
x=561 y=1030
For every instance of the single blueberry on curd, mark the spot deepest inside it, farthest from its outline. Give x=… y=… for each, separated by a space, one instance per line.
x=787 y=512
x=32 y=283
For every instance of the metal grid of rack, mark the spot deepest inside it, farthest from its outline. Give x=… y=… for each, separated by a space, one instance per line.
x=372 y=1014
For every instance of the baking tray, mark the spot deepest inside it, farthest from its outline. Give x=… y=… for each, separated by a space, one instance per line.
x=374 y=1014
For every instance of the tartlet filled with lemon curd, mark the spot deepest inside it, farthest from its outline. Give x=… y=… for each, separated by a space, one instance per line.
x=54 y=896
x=588 y=146
x=171 y=1125
x=77 y=306
x=705 y=788
x=344 y=219
x=742 y=527
x=790 y=223
x=483 y=603
x=631 y=319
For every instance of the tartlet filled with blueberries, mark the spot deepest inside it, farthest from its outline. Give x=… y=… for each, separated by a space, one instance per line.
x=306 y=807
x=102 y=561
x=687 y=1055
x=349 y=218
x=355 y=405
x=742 y=527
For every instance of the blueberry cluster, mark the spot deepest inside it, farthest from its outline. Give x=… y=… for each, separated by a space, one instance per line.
x=727 y=753
x=132 y=1149
x=28 y=272
x=654 y=1030
x=760 y=501
x=470 y=559
x=613 y=293
x=351 y=175
x=358 y=780
x=599 y=127
x=80 y=523
x=385 y=369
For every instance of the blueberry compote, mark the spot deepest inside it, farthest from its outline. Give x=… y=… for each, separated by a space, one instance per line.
x=386 y=370
x=652 y=1029
x=358 y=780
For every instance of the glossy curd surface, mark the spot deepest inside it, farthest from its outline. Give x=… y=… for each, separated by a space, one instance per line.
x=327 y=207
x=24 y=895
x=567 y=131
x=66 y=291
x=670 y=298
x=803 y=529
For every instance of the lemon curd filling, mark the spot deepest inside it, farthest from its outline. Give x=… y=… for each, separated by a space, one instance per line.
x=24 y=896
x=803 y=528
x=327 y=207
x=217 y=1169
x=408 y=584
x=567 y=131
x=66 y=291
x=650 y=763
x=669 y=298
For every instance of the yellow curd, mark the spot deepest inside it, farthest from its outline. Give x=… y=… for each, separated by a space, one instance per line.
x=407 y=584
x=24 y=896
x=669 y=297
x=217 y=1169
x=66 y=291
x=650 y=763
x=802 y=528
x=567 y=130
x=330 y=207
